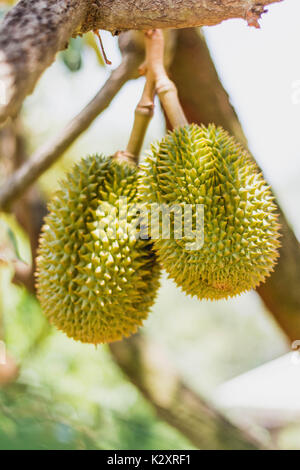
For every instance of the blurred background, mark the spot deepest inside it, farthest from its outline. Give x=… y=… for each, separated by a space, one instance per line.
x=73 y=396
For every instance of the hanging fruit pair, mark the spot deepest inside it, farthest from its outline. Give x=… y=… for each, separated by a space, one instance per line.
x=96 y=279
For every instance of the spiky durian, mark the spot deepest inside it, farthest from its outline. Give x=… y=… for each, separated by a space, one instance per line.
x=96 y=280
x=199 y=165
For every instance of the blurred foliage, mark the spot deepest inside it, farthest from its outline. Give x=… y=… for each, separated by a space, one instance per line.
x=5 y=5
x=73 y=55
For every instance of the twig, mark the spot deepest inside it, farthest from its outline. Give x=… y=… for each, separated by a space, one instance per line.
x=51 y=151
x=143 y=113
x=106 y=60
x=164 y=87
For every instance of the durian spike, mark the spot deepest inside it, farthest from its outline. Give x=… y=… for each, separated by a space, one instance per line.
x=164 y=87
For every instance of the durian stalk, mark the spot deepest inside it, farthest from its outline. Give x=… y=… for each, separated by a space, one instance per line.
x=164 y=87
x=157 y=81
x=143 y=113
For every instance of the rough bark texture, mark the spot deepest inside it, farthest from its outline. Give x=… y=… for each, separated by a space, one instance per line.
x=200 y=90
x=205 y=100
x=34 y=30
x=117 y=15
x=30 y=35
x=147 y=368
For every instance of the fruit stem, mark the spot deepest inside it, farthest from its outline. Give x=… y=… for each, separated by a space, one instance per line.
x=157 y=81
x=143 y=114
x=164 y=87
x=108 y=62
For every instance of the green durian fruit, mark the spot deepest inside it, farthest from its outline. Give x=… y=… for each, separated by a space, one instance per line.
x=206 y=166
x=96 y=280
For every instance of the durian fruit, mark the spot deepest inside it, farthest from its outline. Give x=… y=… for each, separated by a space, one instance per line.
x=206 y=166
x=96 y=280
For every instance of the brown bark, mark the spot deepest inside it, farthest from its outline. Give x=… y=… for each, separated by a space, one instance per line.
x=35 y=30
x=30 y=35
x=149 y=14
x=204 y=100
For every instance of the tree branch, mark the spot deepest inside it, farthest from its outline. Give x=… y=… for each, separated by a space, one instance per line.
x=35 y=30
x=52 y=150
x=164 y=87
x=117 y=15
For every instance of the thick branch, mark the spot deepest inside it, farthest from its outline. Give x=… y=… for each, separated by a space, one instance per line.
x=204 y=100
x=30 y=208
x=149 y=14
x=35 y=30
